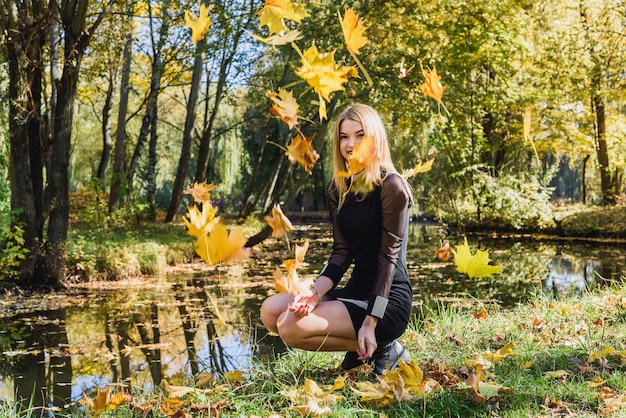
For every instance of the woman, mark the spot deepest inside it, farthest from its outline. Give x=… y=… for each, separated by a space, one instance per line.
x=369 y=211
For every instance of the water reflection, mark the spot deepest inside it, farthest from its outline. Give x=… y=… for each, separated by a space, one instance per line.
x=57 y=346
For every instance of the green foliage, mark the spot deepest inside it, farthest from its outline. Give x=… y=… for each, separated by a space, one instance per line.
x=12 y=251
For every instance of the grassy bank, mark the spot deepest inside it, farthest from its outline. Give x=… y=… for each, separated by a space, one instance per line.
x=544 y=358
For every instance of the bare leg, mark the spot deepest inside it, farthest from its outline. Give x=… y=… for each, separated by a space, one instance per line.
x=327 y=328
x=272 y=308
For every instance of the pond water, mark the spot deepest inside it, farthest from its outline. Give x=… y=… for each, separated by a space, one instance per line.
x=56 y=346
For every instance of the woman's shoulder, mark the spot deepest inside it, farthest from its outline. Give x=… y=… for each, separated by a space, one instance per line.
x=395 y=186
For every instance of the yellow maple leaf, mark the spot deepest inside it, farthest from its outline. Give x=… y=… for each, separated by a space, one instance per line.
x=375 y=393
x=234 y=376
x=290 y=282
x=353 y=28
x=220 y=246
x=200 y=191
x=501 y=353
x=104 y=401
x=278 y=221
x=301 y=252
x=199 y=25
x=595 y=355
x=311 y=391
x=420 y=167
x=432 y=87
x=284 y=106
x=301 y=150
x=476 y=266
x=178 y=391
x=412 y=376
x=274 y=11
x=279 y=39
x=200 y=222
x=322 y=73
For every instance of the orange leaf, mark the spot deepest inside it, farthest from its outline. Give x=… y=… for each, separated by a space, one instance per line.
x=432 y=86
x=443 y=253
x=200 y=191
x=284 y=106
x=301 y=151
x=199 y=24
x=278 y=221
x=362 y=155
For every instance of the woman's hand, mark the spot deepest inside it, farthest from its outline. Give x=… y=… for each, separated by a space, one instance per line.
x=367 y=338
x=304 y=303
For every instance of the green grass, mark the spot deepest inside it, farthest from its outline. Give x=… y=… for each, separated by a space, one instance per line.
x=548 y=374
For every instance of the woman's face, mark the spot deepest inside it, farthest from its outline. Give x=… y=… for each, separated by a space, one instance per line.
x=350 y=133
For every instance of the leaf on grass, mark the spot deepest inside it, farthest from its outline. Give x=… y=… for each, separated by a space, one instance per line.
x=284 y=106
x=301 y=151
x=501 y=353
x=199 y=25
x=557 y=374
x=595 y=355
x=104 y=401
x=308 y=398
x=200 y=191
x=278 y=221
x=203 y=379
x=234 y=376
x=375 y=393
x=412 y=376
x=178 y=391
x=274 y=11
x=474 y=265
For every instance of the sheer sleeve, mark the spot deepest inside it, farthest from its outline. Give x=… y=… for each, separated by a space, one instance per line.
x=340 y=259
x=395 y=203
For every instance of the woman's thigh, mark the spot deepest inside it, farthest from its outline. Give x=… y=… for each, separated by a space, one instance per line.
x=329 y=318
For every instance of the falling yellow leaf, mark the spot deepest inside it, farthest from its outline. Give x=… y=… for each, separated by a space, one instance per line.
x=474 y=265
x=199 y=223
x=362 y=154
x=278 y=221
x=290 y=282
x=353 y=28
x=279 y=39
x=274 y=11
x=432 y=87
x=220 y=246
x=284 y=106
x=301 y=252
x=200 y=192
x=301 y=151
x=443 y=253
x=199 y=24
x=420 y=167
x=322 y=73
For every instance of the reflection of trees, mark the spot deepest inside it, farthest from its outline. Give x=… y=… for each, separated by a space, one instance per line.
x=33 y=373
x=150 y=345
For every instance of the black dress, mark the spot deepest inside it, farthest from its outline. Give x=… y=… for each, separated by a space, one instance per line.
x=371 y=234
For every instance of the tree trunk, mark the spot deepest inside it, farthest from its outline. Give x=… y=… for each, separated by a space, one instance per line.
x=119 y=158
x=151 y=171
x=606 y=180
x=155 y=87
x=107 y=140
x=190 y=120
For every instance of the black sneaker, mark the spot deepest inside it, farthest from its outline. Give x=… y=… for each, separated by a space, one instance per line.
x=386 y=357
x=351 y=360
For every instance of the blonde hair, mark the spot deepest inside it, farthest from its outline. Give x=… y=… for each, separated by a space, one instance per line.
x=380 y=166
